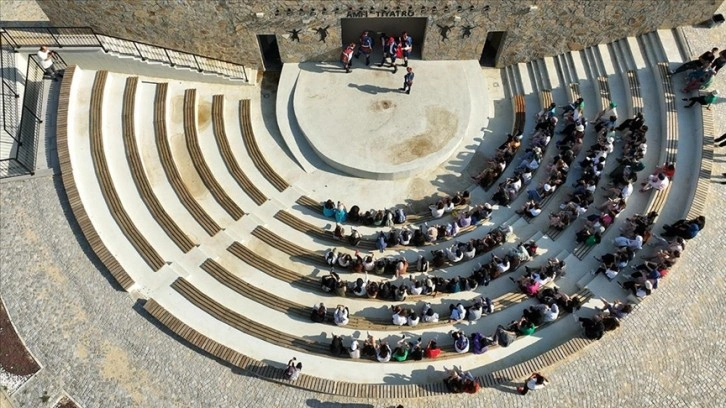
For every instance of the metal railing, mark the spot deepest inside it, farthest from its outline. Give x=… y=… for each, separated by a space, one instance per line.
x=23 y=154
x=9 y=91
x=60 y=37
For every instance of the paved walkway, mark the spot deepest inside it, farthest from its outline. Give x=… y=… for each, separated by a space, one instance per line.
x=78 y=324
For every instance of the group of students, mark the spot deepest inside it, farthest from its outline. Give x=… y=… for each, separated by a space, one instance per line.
x=702 y=71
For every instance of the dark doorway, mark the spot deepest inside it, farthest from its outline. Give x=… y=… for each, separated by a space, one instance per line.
x=490 y=53
x=270 y=52
x=351 y=29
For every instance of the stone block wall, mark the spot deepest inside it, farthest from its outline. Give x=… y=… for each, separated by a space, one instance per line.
x=227 y=29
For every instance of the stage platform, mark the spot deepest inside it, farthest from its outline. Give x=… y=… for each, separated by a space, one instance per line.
x=361 y=124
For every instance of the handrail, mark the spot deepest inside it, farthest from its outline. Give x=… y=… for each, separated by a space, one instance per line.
x=79 y=37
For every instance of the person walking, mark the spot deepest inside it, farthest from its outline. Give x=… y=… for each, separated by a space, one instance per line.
x=703 y=61
x=535 y=381
x=389 y=51
x=346 y=57
x=407 y=46
x=365 y=46
x=706 y=99
x=292 y=371
x=408 y=80
x=46 y=61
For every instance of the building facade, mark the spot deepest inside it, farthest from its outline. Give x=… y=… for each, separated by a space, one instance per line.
x=264 y=33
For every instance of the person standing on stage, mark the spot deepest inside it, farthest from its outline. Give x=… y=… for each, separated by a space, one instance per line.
x=346 y=57
x=365 y=46
x=407 y=46
x=389 y=51
x=408 y=80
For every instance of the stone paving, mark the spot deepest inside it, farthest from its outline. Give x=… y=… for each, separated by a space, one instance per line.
x=81 y=327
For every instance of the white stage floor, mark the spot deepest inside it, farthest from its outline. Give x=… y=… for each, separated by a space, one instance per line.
x=361 y=123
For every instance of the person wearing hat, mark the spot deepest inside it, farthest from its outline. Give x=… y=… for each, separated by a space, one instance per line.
x=390 y=48
x=707 y=99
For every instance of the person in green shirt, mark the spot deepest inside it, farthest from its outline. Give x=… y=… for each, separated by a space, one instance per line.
x=524 y=327
x=706 y=99
x=401 y=352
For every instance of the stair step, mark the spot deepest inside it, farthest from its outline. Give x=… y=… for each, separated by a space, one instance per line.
x=635 y=52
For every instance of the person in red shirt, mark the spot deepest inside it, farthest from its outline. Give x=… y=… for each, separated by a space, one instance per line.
x=346 y=57
x=432 y=350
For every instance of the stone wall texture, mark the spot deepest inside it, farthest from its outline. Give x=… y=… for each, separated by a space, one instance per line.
x=228 y=29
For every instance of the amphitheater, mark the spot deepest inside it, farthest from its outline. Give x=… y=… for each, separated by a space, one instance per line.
x=168 y=246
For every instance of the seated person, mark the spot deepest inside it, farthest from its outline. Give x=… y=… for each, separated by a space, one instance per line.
x=616 y=309
x=399 y=316
x=530 y=208
x=437 y=210
x=319 y=313
x=658 y=182
x=454 y=254
x=686 y=229
x=503 y=336
x=428 y=314
x=635 y=243
x=401 y=352
x=461 y=342
x=522 y=326
x=330 y=282
x=474 y=312
x=383 y=352
x=458 y=313
x=432 y=350
x=353 y=350
x=336 y=346
x=412 y=319
x=341 y=315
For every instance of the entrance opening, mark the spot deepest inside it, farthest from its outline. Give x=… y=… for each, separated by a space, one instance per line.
x=351 y=29
x=490 y=53
x=270 y=52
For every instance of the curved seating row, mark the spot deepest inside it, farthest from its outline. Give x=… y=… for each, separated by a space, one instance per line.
x=167 y=223
x=195 y=152
x=99 y=247
x=172 y=172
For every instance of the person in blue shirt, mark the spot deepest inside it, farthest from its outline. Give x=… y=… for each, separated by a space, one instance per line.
x=408 y=80
x=389 y=51
x=407 y=46
x=365 y=46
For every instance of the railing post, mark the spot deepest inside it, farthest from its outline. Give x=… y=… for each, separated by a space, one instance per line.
x=10 y=37
x=32 y=113
x=57 y=43
x=244 y=71
x=199 y=68
x=139 y=51
x=103 y=47
x=171 y=63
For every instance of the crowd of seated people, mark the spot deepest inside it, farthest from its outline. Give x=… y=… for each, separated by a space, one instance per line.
x=496 y=166
x=536 y=278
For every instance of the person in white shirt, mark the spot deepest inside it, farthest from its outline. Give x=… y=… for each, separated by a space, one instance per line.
x=429 y=315
x=353 y=350
x=46 y=62
x=413 y=319
x=458 y=313
x=535 y=381
x=340 y=316
x=454 y=254
x=635 y=243
x=658 y=182
x=551 y=313
x=399 y=316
